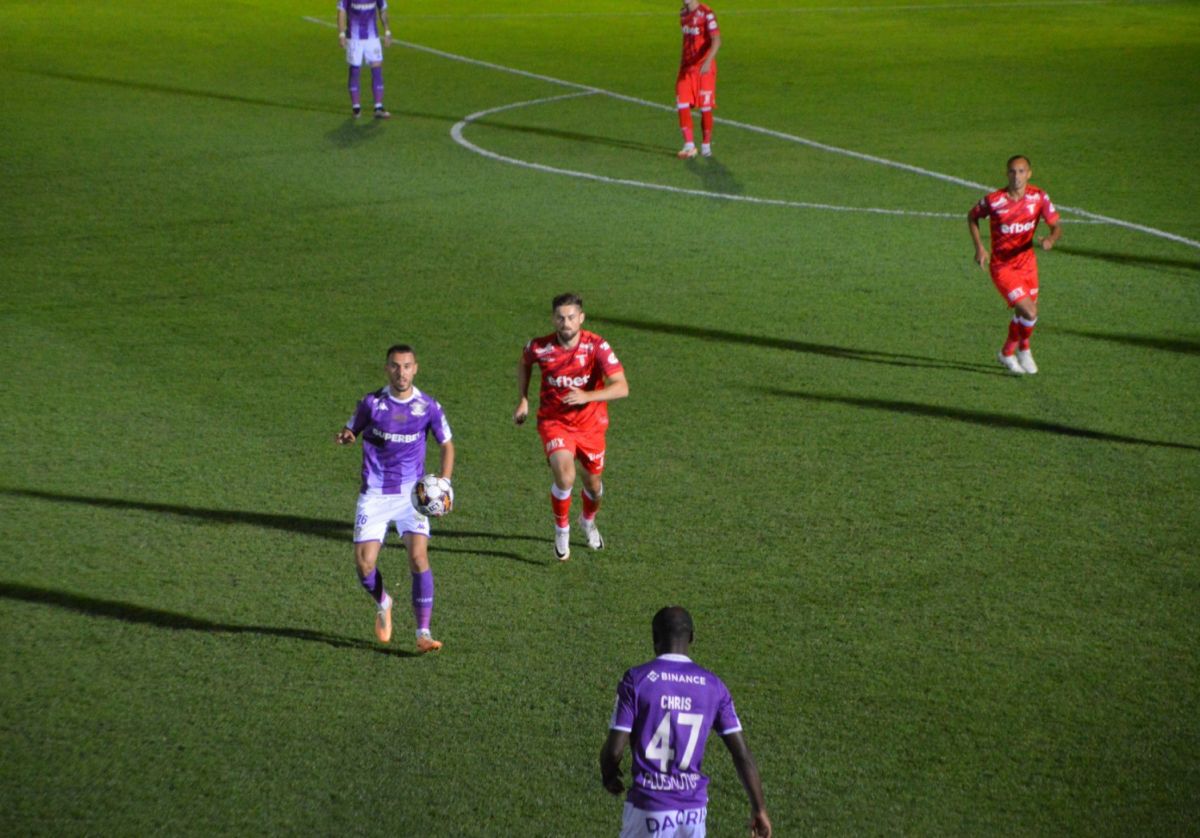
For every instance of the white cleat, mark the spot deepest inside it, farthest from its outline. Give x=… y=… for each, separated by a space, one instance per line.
x=594 y=539
x=687 y=152
x=1010 y=363
x=1025 y=359
x=706 y=149
x=562 y=544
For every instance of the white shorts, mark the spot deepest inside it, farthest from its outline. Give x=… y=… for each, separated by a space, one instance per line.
x=368 y=49
x=689 y=823
x=376 y=511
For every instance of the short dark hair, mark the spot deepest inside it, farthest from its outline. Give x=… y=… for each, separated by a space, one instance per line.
x=1017 y=157
x=672 y=623
x=398 y=347
x=568 y=299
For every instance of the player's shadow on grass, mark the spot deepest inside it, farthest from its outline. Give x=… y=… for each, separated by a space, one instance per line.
x=151 y=87
x=327 y=528
x=1180 y=345
x=714 y=176
x=974 y=417
x=572 y=136
x=891 y=359
x=140 y=615
x=1128 y=259
x=353 y=131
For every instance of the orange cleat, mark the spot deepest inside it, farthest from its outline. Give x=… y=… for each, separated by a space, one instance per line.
x=383 y=623
x=426 y=643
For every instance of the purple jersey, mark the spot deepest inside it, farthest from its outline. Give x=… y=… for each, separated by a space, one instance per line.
x=360 y=17
x=393 y=437
x=667 y=707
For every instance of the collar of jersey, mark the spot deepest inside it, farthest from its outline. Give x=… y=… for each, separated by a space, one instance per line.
x=388 y=391
x=676 y=658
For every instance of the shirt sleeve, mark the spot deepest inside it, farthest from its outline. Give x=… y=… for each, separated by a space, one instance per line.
x=361 y=417
x=437 y=421
x=623 y=710
x=710 y=23
x=980 y=210
x=727 y=720
x=1049 y=213
x=527 y=355
x=607 y=359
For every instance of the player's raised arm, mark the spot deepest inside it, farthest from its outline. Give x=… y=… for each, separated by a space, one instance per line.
x=610 y=761
x=524 y=370
x=747 y=771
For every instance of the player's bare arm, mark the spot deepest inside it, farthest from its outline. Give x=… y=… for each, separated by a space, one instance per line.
x=522 y=412
x=344 y=437
x=1049 y=241
x=710 y=56
x=981 y=255
x=446 y=467
x=610 y=761
x=342 y=27
x=386 y=27
x=615 y=387
x=747 y=771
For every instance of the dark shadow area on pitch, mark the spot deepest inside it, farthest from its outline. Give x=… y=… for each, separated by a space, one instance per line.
x=891 y=359
x=438 y=550
x=1128 y=259
x=573 y=136
x=974 y=417
x=327 y=528
x=1180 y=345
x=140 y=615
x=354 y=132
x=150 y=87
x=714 y=176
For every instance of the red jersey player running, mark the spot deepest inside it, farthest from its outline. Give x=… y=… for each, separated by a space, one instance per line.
x=579 y=374
x=696 y=84
x=1014 y=212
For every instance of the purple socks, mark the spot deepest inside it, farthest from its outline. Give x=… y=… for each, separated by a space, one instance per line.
x=422 y=598
x=352 y=84
x=373 y=584
x=377 y=85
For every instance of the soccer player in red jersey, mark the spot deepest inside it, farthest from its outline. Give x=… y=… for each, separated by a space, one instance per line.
x=579 y=375
x=1014 y=212
x=696 y=84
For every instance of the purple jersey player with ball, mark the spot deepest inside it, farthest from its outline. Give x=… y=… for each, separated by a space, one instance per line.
x=393 y=423
x=665 y=709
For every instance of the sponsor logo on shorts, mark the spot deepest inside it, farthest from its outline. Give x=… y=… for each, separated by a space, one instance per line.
x=1018 y=228
x=659 y=821
x=555 y=444
x=1016 y=294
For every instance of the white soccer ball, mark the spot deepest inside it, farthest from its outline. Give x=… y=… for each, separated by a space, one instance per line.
x=433 y=496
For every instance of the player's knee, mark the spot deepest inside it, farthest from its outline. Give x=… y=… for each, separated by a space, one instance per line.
x=365 y=558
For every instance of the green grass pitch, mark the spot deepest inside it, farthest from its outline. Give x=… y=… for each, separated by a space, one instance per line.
x=947 y=602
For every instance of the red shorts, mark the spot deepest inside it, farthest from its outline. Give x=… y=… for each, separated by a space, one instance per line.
x=1015 y=282
x=585 y=444
x=695 y=90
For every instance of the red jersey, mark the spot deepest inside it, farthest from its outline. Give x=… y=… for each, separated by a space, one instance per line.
x=563 y=369
x=1014 y=222
x=699 y=28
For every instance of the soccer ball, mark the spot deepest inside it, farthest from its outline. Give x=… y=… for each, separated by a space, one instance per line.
x=433 y=496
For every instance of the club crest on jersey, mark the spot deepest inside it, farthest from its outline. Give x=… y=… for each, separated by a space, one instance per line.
x=419 y=408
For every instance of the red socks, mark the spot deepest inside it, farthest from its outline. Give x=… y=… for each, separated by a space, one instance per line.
x=685 y=125
x=706 y=125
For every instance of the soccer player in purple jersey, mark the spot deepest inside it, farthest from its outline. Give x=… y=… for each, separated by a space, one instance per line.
x=359 y=36
x=393 y=423
x=667 y=706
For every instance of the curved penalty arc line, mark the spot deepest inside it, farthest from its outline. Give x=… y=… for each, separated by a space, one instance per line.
x=459 y=127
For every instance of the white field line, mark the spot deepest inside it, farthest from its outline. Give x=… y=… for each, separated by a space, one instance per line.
x=457 y=133
x=794 y=10
x=870 y=158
